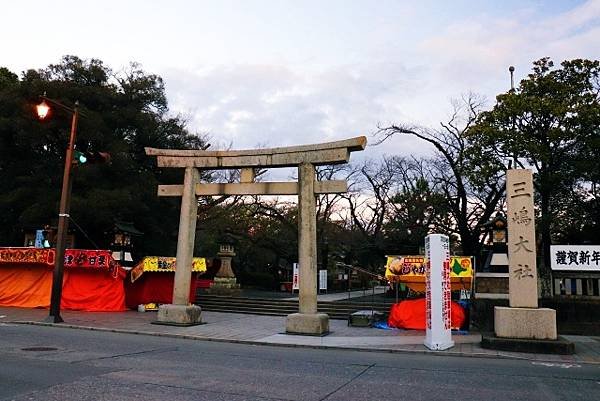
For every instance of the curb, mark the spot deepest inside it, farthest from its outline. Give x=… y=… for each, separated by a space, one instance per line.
x=323 y=347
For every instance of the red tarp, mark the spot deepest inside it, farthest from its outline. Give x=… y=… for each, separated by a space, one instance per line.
x=29 y=286
x=92 y=280
x=410 y=314
x=154 y=287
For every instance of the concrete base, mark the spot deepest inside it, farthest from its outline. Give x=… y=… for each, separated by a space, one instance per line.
x=525 y=323
x=438 y=345
x=307 y=323
x=179 y=315
x=559 y=346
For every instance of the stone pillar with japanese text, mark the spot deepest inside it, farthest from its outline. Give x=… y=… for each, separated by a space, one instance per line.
x=522 y=280
x=523 y=319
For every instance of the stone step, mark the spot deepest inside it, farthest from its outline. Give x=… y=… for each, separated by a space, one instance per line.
x=333 y=314
x=281 y=307
x=246 y=300
x=288 y=306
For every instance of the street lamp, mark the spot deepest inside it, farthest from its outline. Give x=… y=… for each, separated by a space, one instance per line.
x=511 y=70
x=43 y=110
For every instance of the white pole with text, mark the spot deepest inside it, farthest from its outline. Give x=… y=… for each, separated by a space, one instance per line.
x=438 y=335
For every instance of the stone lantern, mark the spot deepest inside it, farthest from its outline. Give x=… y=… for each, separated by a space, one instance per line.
x=499 y=233
x=121 y=244
x=225 y=282
x=491 y=282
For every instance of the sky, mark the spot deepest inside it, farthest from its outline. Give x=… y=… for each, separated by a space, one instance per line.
x=272 y=73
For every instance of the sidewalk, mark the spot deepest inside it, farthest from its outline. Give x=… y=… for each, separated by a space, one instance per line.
x=269 y=330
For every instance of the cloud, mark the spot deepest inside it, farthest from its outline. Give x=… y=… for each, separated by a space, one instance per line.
x=400 y=79
x=474 y=51
x=251 y=105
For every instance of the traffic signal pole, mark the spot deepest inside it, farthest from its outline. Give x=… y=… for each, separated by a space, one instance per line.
x=63 y=225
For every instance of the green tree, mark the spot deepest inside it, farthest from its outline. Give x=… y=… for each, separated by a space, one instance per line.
x=551 y=123
x=415 y=209
x=123 y=113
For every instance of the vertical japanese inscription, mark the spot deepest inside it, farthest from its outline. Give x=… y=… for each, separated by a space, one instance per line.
x=446 y=301
x=523 y=291
x=428 y=284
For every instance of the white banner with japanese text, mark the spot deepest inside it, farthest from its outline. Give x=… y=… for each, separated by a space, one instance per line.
x=323 y=280
x=575 y=257
x=296 y=278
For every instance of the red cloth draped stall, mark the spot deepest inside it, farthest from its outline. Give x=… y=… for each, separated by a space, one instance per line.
x=154 y=288
x=92 y=280
x=410 y=314
x=151 y=281
x=26 y=286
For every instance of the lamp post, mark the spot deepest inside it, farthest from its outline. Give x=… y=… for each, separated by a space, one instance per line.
x=511 y=70
x=43 y=110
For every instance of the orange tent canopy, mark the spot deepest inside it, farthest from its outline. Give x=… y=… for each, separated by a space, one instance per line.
x=92 y=280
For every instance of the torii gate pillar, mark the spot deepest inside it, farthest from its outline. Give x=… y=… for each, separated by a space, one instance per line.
x=180 y=311
x=307 y=320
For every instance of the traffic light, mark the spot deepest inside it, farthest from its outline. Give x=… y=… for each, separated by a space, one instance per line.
x=90 y=157
x=79 y=157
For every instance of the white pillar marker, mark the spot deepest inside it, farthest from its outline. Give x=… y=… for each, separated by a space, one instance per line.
x=438 y=335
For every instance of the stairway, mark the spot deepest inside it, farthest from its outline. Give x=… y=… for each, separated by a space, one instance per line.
x=282 y=307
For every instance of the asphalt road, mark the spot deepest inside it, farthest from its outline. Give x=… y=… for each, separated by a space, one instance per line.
x=49 y=363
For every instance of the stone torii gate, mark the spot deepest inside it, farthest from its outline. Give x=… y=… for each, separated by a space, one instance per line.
x=305 y=158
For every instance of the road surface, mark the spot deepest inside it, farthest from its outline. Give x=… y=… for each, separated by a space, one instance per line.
x=50 y=363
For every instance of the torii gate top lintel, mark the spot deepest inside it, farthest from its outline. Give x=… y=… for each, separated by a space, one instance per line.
x=317 y=154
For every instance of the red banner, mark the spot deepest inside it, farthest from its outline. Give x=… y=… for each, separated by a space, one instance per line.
x=82 y=258
x=27 y=255
x=91 y=259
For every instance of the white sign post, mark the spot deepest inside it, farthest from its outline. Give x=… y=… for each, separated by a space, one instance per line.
x=296 y=278
x=438 y=335
x=323 y=280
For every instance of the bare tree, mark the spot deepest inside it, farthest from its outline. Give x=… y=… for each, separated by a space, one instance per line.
x=469 y=175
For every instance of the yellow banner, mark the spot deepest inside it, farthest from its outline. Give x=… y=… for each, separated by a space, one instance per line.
x=163 y=264
x=410 y=266
x=169 y=264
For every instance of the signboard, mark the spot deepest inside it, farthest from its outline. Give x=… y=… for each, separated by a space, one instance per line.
x=411 y=271
x=27 y=255
x=575 y=257
x=438 y=334
x=404 y=266
x=81 y=258
x=296 y=278
x=323 y=280
x=163 y=264
x=92 y=259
